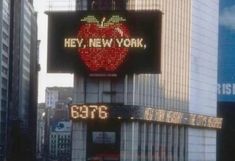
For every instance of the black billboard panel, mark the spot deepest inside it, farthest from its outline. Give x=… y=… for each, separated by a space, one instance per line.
x=104 y=42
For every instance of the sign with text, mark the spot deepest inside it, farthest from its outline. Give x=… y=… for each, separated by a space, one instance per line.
x=104 y=43
x=226 y=56
x=127 y=112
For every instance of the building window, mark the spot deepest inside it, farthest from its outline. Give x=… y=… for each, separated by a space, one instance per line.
x=4 y=93
x=6 y=14
x=4 y=104
x=161 y=142
x=4 y=70
x=106 y=4
x=2 y=136
x=6 y=5
x=4 y=82
x=25 y=73
x=5 y=48
x=4 y=59
x=5 y=25
x=5 y=36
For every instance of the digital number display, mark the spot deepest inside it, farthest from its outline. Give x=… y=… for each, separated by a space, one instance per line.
x=128 y=112
x=88 y=112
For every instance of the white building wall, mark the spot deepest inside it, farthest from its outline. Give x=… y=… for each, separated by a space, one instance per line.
x=169 y=89
x=204 y=52
x=203 y=77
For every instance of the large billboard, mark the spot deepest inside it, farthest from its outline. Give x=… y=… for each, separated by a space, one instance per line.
x=226 y=60
x=108 y=43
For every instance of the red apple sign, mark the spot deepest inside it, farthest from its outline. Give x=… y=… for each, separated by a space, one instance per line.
x=108 y=58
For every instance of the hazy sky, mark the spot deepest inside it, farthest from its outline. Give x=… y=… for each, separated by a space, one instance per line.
x=47 y=80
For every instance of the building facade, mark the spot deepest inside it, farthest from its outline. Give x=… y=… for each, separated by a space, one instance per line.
x=4 y=64
x=23 y=68
x=60 y=141
x=41 y=121
x=56 y=127
x=56 y=95
x=56 y=110
x=187 y=83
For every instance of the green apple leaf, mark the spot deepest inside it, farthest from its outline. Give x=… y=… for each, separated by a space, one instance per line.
x=113 y=20
x=90 y=19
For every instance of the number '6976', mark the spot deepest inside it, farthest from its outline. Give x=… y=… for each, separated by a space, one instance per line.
x=89 y=112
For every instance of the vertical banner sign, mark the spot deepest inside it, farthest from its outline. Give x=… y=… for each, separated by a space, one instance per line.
x=226 y=60
x=104 y=43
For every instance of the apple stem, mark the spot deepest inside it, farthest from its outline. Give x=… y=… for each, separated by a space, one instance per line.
x=102 y=22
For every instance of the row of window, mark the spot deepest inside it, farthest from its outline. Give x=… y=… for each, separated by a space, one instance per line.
x=3 y=116
x=2 y=136
x=101 y=4
x=61 y=142
x=61 y=151
x=3 y=105
x=6 y=5
x=5 y=59
x=4 y=70
x=4 y=93
x=5 y=36
x=6 y=15
x=6 y=26
x=61 y=136
x=5 y=48
x=4 y=82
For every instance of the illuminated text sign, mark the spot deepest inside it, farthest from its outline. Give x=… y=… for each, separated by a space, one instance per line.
x=104 y=42
x=127 y=112
x=173 y=117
